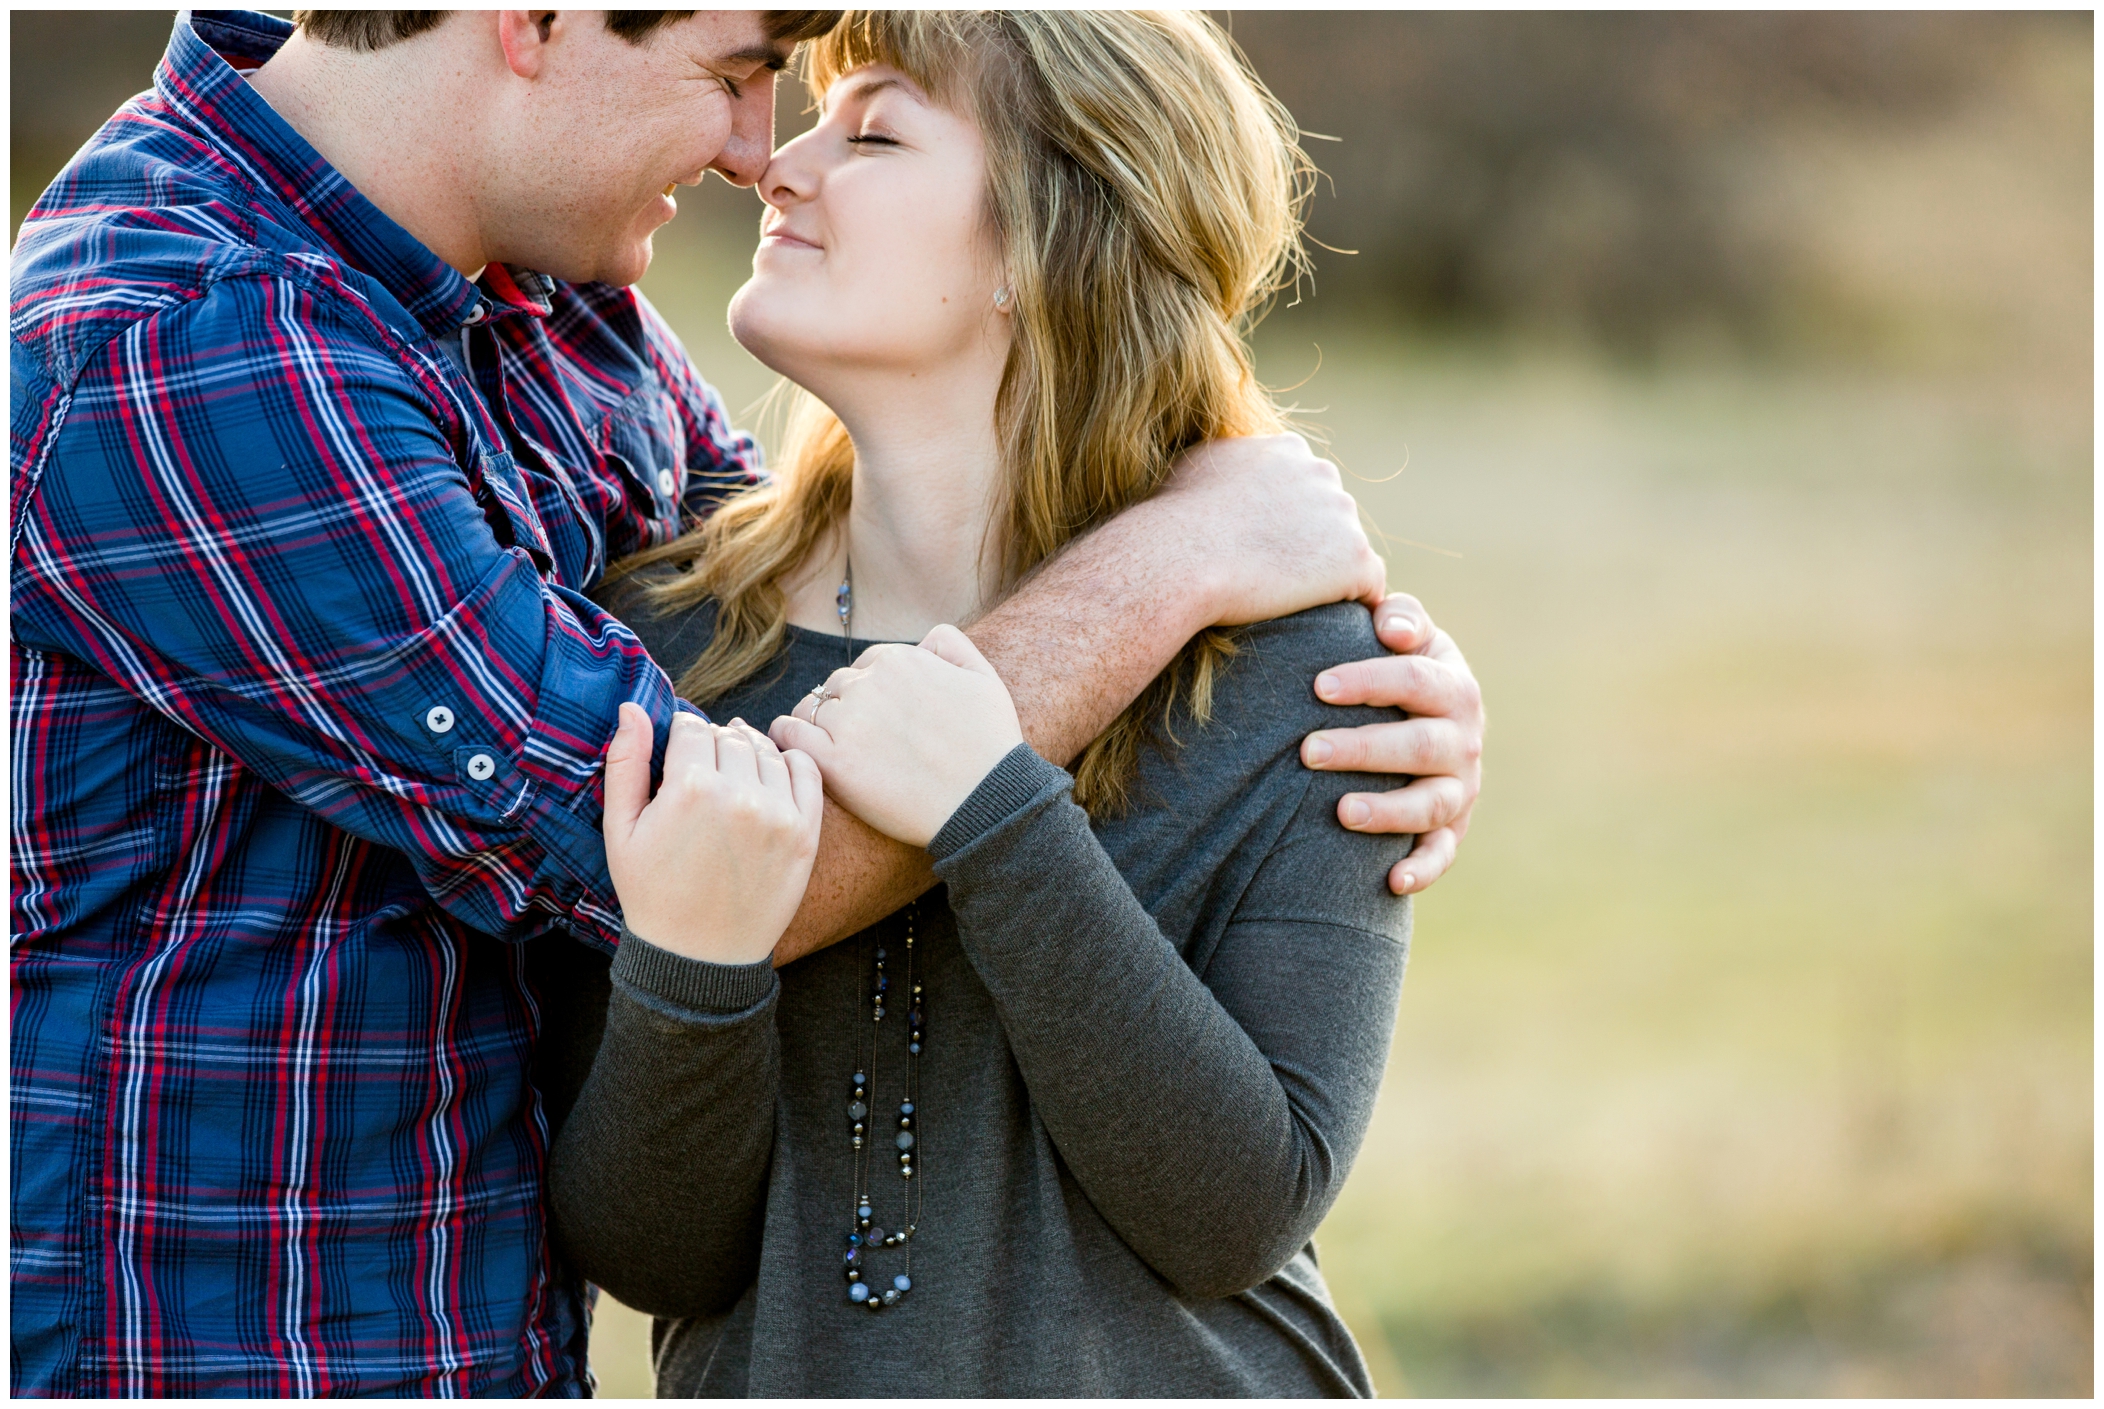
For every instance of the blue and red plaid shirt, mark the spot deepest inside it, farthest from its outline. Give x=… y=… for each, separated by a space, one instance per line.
x=308 y=713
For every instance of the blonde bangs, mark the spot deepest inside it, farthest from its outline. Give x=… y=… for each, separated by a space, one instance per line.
x=934 y=48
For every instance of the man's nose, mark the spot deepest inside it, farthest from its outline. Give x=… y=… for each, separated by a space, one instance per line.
x=744 y=157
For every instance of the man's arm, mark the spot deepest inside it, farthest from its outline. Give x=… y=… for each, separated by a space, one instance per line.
x=252 y=520
x=1248 y=530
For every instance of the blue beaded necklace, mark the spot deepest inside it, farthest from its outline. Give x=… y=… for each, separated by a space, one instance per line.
x=865 y=1285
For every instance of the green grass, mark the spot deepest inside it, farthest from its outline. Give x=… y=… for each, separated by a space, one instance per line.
x=1748 y=1048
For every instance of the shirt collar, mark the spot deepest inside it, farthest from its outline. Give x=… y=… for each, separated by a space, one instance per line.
x=201 y=76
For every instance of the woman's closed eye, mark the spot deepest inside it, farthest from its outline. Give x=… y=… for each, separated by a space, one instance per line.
x=872 y=139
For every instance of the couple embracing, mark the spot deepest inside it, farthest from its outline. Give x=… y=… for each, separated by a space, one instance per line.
x=992 y=1003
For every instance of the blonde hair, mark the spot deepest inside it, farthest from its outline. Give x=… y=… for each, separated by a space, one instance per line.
x=1146 y=192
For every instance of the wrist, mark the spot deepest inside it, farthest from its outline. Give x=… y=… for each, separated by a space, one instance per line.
x=700 y=944
x=697 y=984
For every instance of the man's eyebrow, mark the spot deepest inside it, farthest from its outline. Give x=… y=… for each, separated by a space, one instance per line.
x=767 y=56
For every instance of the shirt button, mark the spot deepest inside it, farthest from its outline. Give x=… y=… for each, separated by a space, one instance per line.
x=439 y=720
x=482 y=767
x=668 y=484
x=476 y=314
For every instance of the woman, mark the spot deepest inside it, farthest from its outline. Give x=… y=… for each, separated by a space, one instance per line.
x=1066 y=1124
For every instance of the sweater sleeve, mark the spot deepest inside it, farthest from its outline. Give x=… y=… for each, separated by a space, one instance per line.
x=1212 y=1121
x=658 y=1178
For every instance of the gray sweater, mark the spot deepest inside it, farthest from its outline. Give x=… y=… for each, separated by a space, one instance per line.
x=1152 y=1049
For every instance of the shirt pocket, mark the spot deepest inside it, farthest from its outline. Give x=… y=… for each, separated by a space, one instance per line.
x=643 y=445
x=500 y=488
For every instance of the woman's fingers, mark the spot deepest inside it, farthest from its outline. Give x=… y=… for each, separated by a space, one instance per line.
x=789 y=732
x=771 y=771
x=1425 y=806
x=1426 y=863
x=628 y=772
x=955 y=647
x=690 y=752
x=806 y=785
x=736 y=761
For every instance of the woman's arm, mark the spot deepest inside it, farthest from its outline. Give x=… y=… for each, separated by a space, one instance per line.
x=1213 y=1121
x=659 y=1175
x=658 y=1179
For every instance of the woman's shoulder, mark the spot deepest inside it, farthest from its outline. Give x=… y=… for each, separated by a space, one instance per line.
x=1230 y=798
x=1270 y=685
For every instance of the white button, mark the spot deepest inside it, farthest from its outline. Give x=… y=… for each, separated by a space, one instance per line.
x=667 y=483
x=477 y=314
x=481 y=766
x=439 y=720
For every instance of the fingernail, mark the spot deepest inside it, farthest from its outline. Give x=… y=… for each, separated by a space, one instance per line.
x=1409 y=883
x=1327 y=684
x=1357 y=813
x=1318 y=750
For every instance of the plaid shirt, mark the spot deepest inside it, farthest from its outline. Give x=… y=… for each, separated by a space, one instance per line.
x=308 y=713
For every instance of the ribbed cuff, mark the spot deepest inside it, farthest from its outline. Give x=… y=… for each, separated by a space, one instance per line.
x=691 y=983
x=1020 y=776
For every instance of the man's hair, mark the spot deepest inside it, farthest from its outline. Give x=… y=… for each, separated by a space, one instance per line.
x=367 y=30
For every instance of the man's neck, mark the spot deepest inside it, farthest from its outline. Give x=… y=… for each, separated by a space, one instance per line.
x=392 y=129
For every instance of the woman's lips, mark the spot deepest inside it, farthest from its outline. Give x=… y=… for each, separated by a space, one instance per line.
x=783 y=237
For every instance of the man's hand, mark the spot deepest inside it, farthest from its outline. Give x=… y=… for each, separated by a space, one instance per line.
x=1268 y=525
x=1441 y=744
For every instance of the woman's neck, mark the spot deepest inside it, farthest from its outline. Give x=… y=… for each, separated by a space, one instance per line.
x=918 y=532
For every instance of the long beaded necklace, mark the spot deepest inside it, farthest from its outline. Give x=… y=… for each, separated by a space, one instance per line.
x=864 y=1284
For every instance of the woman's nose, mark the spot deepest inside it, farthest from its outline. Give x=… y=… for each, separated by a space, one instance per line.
x=789 y=176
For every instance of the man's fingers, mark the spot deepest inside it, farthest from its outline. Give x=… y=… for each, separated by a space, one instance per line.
x=628 y=771
x=1426 y=863
x=1425 y=806
x=1402 y=622
x=1415 y=746
x=1418 y=684
x=1372 y=581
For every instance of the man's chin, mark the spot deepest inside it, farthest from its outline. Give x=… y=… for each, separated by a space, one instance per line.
x=620 y=267
x=627 y=265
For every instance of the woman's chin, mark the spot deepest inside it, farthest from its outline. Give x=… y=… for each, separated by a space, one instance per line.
x=765 y=331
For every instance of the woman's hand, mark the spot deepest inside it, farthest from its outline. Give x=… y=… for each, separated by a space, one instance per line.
x=905 y=733
x=715 y=865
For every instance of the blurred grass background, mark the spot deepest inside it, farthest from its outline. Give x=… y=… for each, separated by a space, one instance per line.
x=1724 y=383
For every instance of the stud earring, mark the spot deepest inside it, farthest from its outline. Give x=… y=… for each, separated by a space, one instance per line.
x=1001 y=297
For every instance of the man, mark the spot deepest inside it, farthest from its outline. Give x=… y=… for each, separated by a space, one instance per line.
x=329 y=405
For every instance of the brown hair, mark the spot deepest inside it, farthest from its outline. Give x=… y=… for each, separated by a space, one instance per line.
x=367 y=30
x=1147 y=193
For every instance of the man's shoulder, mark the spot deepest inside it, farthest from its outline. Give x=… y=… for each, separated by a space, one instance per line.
x=144 y=220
